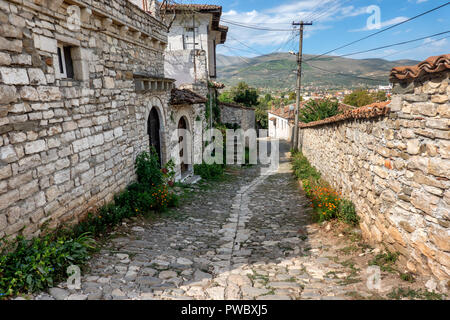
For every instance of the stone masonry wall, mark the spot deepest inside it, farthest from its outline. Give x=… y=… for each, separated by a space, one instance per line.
x=244 y=117
x=396 y=170
x=68 y=145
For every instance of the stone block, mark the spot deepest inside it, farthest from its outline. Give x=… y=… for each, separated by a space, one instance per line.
x=37 y=77
x=8 y=94
x=11 y=45
x=5 y=59
x=9 y=198
x=28 y=93
x=439 y=167
x=413 y=146
x=439 y=98
x=8 y=154
x=45 y=43
x=108 y=83
x=443 y=124
x=14 y=76
x=35 y=146
x=424 y=201
x=5 y=171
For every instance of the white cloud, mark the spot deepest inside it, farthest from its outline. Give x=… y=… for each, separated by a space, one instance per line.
x=281 y=17
x=435 y=43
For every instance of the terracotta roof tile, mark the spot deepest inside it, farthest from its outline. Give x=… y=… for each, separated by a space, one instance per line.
x=288 y=112
x=185 y=96
x=193 y=6
x=217 y=85
x=370 y=111
x=431 y=65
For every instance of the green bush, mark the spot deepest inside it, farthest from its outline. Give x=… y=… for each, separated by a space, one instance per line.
x=302 y=169
x=148 y=169
x=208 y=171
x=347 y=213
x=327 y=203
x=174 y=200
x=37 y=264
x=34 y=265
x=316 y=110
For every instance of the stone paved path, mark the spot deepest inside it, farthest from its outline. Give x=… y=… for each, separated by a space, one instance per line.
x=246 y=238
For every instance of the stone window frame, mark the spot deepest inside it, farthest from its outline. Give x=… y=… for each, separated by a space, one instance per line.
x=79 y=57
x=63 y=62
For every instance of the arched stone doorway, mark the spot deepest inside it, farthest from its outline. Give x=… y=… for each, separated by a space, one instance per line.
x=153 y=130
x=183 y=145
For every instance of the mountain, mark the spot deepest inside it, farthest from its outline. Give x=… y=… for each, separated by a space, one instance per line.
x=278 y=71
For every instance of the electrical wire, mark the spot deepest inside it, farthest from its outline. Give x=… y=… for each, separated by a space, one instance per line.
x=393 y=45
x=344 y=74
x=255 y=28
x=381 y=31
x=419 y=46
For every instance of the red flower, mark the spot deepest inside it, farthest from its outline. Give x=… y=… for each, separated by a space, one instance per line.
x=164 y=171
x=171 y=183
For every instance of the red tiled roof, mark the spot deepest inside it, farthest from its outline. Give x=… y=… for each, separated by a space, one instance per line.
x=216 y=11
x=185 y=96
x=217 y=85
x=431 y=65
x=288 y=112
x=370 y=111
x=195 y=6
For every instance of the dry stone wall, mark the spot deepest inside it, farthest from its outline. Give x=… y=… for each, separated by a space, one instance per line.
x=396 y=170
x=68 y=145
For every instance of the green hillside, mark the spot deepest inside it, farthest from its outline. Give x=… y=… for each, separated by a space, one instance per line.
x=278 y=71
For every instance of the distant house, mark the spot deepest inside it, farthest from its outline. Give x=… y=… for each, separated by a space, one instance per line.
x=281 y=122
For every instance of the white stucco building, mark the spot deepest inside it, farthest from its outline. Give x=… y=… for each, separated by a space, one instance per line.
x=194 y=35
x=281 y=122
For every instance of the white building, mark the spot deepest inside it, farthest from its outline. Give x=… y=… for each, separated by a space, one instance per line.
x=281 y=122
x=195 y=31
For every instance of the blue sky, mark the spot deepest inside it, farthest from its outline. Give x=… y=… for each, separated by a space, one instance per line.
x=337 y=22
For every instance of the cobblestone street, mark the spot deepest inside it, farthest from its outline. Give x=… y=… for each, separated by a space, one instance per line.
x=248 y=237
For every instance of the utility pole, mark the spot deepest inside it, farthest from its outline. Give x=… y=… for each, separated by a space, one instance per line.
x=299 y=80
x=195 y=53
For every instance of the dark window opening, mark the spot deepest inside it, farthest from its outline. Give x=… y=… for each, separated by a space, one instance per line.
x=65 y=62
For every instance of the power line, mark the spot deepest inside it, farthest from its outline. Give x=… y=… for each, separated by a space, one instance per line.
x=325 y=10
x=256 y=24
x=317 y=9
x=343 y=74
x=393 y=45
x=384 y=30
x=254 y=28
x=316 y=18
x=419 y=46
x=227 y=46
x=253 y=49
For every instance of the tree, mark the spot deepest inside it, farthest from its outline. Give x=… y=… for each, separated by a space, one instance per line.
x=362 y=98
x=318 y=110
x=292 y=96
x=225 y=97
x=380 y=96
x=245 y=95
